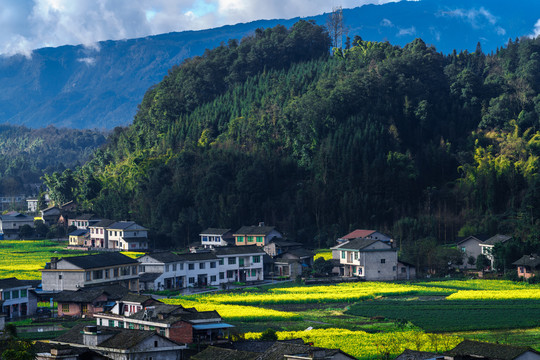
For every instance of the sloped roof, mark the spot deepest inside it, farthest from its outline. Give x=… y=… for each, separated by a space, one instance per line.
x=78 y=232
x=173 y=313
x=358 y=244
x=213 y=353
x=285 y=243
x=280 y=349
x=124 y=225
x=78 y=296
x=147 y=277
x=255 y=230
x=499 y=238
x=237 y=250
x=86 y=217
x=164 y=256
x=358 y=233
x=131 y=239
x=136 y=298
x=478 y=237
x=99 y=260
x=121 y=339
x=416 y=355
x=531 y=260
x=489 y=350
x=13 y=282
x=19 y=217
x=103 y=223
x=301 y=252
x=214 y=231
x=197 y=256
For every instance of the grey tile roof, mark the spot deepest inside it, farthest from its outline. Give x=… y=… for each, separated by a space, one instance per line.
x=499 y=238
x=170 y=314
x=88 y=294
x=197 y=256
x=254 y=230
x=358 y=244
x=103 y=223
x=531 y=260
x=86 y=217
x=215 y=231
x=488 y=350
x=416 y=355
x=300 y=253
x=122 y=225
x=213 y=353
x=78 y=232
x=164 y=257
x=13 y=282
x=148 y=277
x=99 y=260
x=280 y=349
x=285 y=243
x=238 y=250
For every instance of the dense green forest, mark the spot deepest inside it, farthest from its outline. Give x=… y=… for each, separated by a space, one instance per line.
x=26 y=154
x=274 y=128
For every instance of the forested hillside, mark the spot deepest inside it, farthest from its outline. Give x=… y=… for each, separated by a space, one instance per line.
x=272 y=128
x=26 y=154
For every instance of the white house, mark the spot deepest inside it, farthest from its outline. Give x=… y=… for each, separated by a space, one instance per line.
x=98 y=234
x=11 y=223
x=213 y=237
x=486 y=247
x=17 y=298
x=240 y=263
x=127 y=236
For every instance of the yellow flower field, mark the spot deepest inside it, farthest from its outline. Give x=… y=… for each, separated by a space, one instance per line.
x=326 y=254
x=365 y=345
x=236 y=312
x=481 y=284
x=521 y=294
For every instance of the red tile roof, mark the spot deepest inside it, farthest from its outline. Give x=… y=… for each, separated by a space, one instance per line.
x=358 y=233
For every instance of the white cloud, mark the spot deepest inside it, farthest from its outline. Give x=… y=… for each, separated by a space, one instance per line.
x=31 y=24
x=476 y=17
x=386 y=23
x=407 y=32
x=536 y=31
x=88 y=61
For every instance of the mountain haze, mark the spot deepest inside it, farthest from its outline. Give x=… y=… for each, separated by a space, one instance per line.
x=100 y=87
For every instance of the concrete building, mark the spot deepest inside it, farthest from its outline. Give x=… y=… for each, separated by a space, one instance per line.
x=259 y=235
x=212 y=237
x=99 y=237
x=127 y=236
x=243 y=264
x=11 y=223
x=17 y=297
x=72 y=273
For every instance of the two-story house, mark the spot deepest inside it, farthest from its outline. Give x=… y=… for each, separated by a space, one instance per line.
x=174 y=322
x=278 y=246
x=78 y=237
x=486 y=247
x=18 y=298
x=127 y=236
x=368 y=259
x=213 y=237
x=364 y=234
x=99 y=237
x=82 y=222
x=162 y=271
x=244 y=264
x=72 y=273
x=11 y=223
x=259 y=235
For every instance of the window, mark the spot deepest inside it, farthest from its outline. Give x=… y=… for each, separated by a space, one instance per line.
x=181 y=266
x=343 y=254
x=259 y=239
x=15 y=294
x=221 y=275
x=221 y=261
x=230 y=274
x=155 y=343
x=84 y=308
x=403 y=270
x=232 y=260
x=191 y=266
x=355 y=255
x=116 y=272
x=253 y=272
x=65 y=308
x=202 y=265
x=463 y=248
x=213 y=265
x=24 y=293
x=192 y=280
x=166 y=268
x=162 y=332
x=394 y=268
x=88 y=276
x=7 y=295
x=205 y=238
x=174 y=267
x=141 y=327
x=250 y=238
x=106 y=273
x=354 y=269
x=213 y=278
x=98 y=274
x=359 y=271
x=257 y=259
x=383 y=261
x=132 y=326
x=60 y=277
x=240 y=239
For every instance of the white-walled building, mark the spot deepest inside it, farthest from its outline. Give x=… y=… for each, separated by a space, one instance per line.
x=213 y=237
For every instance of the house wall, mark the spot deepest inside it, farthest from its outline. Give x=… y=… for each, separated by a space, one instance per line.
x=375 y=270
x=181 y=332
x=58 y=280
x=13 y=307
x=99 y=235
x=469 y=247
x=529 y=355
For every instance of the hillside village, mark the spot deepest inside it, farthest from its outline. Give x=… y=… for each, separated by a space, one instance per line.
x=116 y=290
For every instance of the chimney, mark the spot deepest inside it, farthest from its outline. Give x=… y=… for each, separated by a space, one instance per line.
x=261 y=223
x=54 y=260
x=93 y=337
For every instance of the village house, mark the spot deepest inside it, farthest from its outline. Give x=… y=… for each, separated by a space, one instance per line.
x=293 y=262
x=98 y=234
x=369 y=259
x=477 y=350
x=213 y=237
x=127 y=236
x=475 y=245
x=528 y=266
x=182 y=325
x=243 y=264
x=51 y=215
x=82 y=222
x=78 y=237
x=278 y=246
x=72 y=273
x=486 y=247
x=132 y=303
x=88 y=300
x=364 y=234
x=17 y=297
x=121 y=344
x=259 y=235
x=11 y=223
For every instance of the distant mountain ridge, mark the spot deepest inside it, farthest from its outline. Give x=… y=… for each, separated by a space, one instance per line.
x=78 y=87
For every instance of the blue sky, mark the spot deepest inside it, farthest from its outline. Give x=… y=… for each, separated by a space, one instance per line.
x=31 y=24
